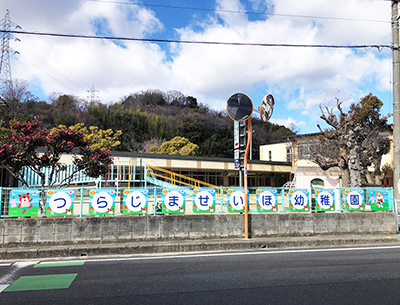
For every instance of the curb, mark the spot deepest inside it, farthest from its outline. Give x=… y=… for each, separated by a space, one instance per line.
x=183 y=246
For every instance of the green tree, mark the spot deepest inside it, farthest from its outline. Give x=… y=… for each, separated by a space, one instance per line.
x=98 y=138
x=367 y=114
x=176 y=146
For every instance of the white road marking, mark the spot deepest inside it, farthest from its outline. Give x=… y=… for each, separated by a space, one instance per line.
x=10 y=277
x=61 y=262
x=5 y=265
x=265 y=252
x=20 y=265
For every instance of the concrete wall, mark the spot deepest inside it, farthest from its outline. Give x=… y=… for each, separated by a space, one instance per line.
x=120 y=229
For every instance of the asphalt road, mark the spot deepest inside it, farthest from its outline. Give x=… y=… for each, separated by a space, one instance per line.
x=315 y=276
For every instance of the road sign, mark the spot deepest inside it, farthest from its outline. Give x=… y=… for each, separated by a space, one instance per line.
x=237 y=158
x=267 y=106
x=239 y=107
x=236 y=134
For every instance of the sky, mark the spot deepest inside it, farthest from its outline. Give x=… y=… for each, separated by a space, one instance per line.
x=300 y=79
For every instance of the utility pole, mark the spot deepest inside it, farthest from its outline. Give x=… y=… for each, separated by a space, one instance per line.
x=396 y=98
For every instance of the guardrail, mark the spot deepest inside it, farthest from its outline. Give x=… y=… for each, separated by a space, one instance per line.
x=90 y=201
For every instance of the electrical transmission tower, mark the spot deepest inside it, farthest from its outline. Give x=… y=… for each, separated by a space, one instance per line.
x=92 y=96
x=5 y=67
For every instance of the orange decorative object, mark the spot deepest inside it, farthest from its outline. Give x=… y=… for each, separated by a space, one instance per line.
x=165 y=191
x=50 y=193
x=196 y=191
x=92 y=193
x=258 y=192
x=230 y=191
x=291 y=192
x=126 y=192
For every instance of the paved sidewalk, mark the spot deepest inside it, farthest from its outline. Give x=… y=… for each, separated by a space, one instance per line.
x=153 y=247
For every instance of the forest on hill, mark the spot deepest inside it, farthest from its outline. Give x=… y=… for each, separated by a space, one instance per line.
x=146 y=119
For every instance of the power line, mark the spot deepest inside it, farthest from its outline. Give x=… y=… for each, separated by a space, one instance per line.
x=56 y=60
x=236 y=12
x=59 y=63
x=41 y=80
x=50 y=66
x=379 y=47
x=48 y=74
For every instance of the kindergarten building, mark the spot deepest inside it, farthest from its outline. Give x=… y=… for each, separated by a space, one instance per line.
x=281 y=164
x=135 y=169
x=306 y=174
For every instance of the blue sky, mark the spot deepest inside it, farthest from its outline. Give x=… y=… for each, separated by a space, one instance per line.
x=300 y=79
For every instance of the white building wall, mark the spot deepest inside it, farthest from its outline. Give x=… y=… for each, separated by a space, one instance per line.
x=276 y=151
x=304 y=181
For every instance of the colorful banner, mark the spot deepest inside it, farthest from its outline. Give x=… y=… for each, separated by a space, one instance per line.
x=204 y=201
x=298 y=200
x=59 y=202
x=236 y=201
x=101 y=202
x=135 y=201
x=354 y=199
x=325 y=200
x=379 y=199
x=24 y=203
x=267 y=200
x=174 y=201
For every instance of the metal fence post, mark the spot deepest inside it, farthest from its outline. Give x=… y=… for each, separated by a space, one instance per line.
x=1 y=201
x=221 y=194
x=81 y=201
x=391 y=199
x=155 y=200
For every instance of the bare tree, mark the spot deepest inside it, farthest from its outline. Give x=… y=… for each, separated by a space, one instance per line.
x=353 y=142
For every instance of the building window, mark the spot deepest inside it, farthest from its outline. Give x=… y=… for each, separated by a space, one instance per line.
x=288 y=155
x=303 y=151
x=317 y=183
x=270 y=155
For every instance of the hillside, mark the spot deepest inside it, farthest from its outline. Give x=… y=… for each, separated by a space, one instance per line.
x=146 y=118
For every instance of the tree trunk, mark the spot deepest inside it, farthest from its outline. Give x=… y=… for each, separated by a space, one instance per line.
x=355 y=167
x=345 y=177
x=368 y=176
x=355 y=170
x=377 y=172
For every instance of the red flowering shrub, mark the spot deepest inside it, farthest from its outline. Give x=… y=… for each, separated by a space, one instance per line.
x=94 y=162
x=30 y=145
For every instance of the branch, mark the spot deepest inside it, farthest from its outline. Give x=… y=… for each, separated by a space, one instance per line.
x=17 y=175
x=69 y=178
x=331 y=119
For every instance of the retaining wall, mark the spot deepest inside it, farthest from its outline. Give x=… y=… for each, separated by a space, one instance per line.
x=119 y=229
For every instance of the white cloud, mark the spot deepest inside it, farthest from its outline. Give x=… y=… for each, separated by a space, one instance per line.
x=300 y=78
x=289 y=122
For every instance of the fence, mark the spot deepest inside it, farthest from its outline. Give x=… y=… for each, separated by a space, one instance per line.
x=130 y=172
x=90 y=201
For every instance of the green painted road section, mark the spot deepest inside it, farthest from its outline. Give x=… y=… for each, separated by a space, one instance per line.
x=42 y=282
x=62 y=264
